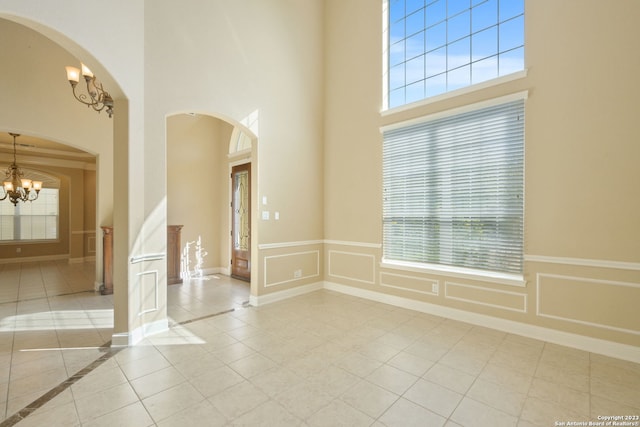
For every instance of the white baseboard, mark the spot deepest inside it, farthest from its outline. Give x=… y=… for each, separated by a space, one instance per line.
x=285 y=294
x=120 y=339
x=581 y=342
x=214 y=270
x=34 y=258
x=217 y=270
x=125 y=339
x=81 y=259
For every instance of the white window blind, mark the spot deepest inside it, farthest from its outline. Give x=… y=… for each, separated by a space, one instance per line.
x=454 y=190
x=36 y=220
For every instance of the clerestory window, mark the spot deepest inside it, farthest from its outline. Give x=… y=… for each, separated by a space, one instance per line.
x=436 y=46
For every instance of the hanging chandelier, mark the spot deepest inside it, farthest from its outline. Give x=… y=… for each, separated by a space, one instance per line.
x=15 y=186
x=98 y=98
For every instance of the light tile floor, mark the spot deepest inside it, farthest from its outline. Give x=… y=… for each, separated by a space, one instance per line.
x=322 y=359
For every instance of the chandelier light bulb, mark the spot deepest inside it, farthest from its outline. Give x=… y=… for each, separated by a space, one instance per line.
x=86 y=72
x=73 y=75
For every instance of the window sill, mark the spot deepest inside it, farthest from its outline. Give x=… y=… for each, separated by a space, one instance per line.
x=456 y=93
x=458 y=272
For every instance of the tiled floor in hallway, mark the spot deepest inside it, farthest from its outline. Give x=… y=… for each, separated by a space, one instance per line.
x=322 y=359
x=52 y=323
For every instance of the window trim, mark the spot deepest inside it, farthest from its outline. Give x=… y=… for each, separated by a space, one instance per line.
x=457 y=272
x=518 y=75
x=516 y=96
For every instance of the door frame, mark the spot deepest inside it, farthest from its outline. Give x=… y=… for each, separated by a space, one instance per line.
x=247 y=155
x=249 y=168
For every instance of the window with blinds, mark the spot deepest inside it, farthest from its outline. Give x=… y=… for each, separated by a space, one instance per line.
x=454 y=190
x=36 y=220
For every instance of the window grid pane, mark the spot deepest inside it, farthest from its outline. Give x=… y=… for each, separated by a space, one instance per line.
x=486 y=37
x=453 y=190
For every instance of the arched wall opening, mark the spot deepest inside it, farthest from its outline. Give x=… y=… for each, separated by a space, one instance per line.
x=37 y=101
x=200 y=156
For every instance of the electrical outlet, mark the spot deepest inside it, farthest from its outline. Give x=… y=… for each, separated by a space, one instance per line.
x=297 y=274
x=434 y=288
x=18 y=250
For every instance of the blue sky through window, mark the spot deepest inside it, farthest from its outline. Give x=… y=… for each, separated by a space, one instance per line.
x=436 y=46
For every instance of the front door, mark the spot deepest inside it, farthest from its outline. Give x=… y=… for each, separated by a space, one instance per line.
x=241 y=222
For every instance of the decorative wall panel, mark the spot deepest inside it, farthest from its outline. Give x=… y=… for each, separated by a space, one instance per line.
x=580 y=300
x=488 y=297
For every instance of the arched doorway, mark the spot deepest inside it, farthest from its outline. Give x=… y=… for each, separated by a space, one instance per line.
x=38 y=102
x=203 y=149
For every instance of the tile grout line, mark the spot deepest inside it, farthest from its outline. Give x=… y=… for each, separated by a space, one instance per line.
x=13 y=344
x=47 y=297
x=476 y=376
x=64 y=385
x=48 y=396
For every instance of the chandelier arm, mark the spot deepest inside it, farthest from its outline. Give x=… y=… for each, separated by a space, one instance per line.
x=98 y=98
x=16 y=192
x=97 y=104
x=81 y=97
x=103 y=98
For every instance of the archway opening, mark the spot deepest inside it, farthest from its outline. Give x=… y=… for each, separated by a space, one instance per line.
x=202 y=150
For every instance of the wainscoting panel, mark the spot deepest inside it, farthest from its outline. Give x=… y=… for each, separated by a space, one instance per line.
x=406 y=282
x=580 y=300
x=285 y=268
x=148 y=285
x=352 y=266
x=488 y=297
x=91 y=244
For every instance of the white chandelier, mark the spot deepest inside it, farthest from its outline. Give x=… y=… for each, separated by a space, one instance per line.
x=98 y=99
x=15 y=186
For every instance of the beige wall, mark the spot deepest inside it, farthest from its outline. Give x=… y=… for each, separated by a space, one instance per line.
x=582 y=234
x=233 y=59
